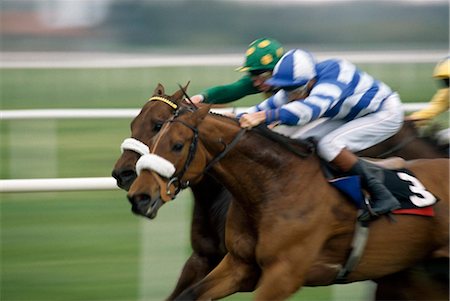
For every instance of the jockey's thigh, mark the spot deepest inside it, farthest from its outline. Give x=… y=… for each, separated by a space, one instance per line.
x=363 y=132
x=315 y=129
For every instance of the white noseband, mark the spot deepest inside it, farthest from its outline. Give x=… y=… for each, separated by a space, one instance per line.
x=148 y=161
x=134 y=145
x=155 y=163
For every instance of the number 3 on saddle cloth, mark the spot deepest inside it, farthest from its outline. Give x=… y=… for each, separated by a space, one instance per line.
x=409 y=191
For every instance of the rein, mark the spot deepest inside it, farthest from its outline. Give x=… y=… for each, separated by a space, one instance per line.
x=227 y=148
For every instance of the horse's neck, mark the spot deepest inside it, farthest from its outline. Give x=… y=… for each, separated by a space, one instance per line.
x=210 y=194
x=266 y=179
x=254 y=164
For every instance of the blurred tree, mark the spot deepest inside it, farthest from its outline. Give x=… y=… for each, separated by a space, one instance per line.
x=230 y=25
x=208 y=24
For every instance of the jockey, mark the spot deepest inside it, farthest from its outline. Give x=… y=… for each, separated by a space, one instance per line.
x=261 y=57
x=440 y=101
x=360 y=112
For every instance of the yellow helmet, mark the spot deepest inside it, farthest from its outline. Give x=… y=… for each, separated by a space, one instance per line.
x=442 y=69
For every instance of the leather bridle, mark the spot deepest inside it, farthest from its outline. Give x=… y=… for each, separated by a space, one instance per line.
x=176 y=180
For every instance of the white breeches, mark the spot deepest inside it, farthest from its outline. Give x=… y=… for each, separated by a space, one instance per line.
x=355 y=135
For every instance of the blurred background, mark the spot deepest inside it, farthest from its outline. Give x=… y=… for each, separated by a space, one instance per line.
x=111 y=54
x=215 y=25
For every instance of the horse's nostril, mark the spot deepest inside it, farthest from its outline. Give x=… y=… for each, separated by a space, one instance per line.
x=123 y=175
x=139 y=199
x=128 y=174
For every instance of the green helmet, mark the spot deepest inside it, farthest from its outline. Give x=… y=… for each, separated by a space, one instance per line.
x=262 y=54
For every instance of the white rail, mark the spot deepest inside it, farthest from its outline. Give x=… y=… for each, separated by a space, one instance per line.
x=67 y=113
x=124 y=60
x=85 y=184
x=59 y=184
x=117 y=113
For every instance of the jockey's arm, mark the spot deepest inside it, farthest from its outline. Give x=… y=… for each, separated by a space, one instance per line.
x=228 y=93
x=437 y=105
x=303 y=111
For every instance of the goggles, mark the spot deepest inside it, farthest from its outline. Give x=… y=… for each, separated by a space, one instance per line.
x=261 y=73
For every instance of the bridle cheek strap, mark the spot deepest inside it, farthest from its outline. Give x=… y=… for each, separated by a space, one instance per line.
x=167 y=190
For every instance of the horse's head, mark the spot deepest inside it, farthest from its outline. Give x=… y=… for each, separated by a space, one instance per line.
x=178 y=157
x=144 y=127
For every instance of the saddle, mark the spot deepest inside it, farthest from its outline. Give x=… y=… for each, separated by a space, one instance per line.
x=401 y=182
x=412 y=195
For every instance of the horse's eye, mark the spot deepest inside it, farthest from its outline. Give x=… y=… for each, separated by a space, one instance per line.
x=157 y=126
x=177 y=147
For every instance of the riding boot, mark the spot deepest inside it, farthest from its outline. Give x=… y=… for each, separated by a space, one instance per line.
x=382 y=199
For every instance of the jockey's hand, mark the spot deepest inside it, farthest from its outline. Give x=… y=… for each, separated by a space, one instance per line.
x=196 y=98
x=252 y=119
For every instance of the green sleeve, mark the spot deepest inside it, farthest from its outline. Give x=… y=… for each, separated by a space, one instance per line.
x=231 y=92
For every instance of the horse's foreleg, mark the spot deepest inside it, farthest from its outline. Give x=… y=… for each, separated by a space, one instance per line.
x=194 y=270
x=230 y=276
x=284 y=269
x=278 y=282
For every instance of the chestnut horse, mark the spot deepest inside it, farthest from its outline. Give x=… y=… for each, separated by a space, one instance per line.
x=282 y=233
x=211 y=200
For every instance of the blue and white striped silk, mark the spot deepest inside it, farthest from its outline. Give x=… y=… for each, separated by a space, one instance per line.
x=341 y=92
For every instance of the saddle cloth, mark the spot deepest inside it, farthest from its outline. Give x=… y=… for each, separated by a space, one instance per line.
x=414 y=198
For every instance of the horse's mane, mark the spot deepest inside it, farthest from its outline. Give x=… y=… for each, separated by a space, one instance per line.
x=300 y=147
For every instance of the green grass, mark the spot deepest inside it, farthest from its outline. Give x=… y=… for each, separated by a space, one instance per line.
x=88 y=245
x=68 y=246
x=122 y=88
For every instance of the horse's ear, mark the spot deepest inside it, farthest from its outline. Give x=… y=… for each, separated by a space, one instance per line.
x=186 y=86
x=201 y=113
x=159 y=90
x=179 y=95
